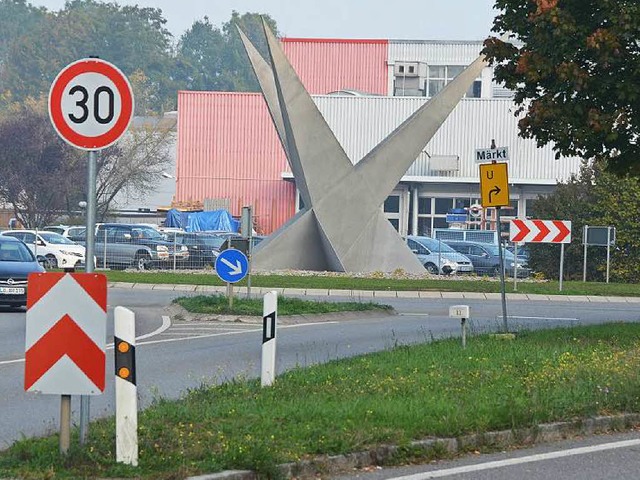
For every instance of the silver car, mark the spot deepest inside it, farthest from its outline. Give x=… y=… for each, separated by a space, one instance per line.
x=438 y=257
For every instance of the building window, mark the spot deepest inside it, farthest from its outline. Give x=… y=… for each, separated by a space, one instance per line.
x=424 y=205
x=395 y=222
x=443 y=205
x=392 y=204
x=424 y=226
x=439 y=75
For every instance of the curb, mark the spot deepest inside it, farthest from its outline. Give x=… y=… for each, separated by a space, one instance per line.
x=440 y=447
x=369 y=295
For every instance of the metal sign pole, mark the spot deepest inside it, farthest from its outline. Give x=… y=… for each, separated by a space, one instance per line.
x=585 y=232
x=515 y=267
x=85 y=403
x=230 y=294
x=608 y=251
x=502 y=289
x=561 y=263
x=65 y=423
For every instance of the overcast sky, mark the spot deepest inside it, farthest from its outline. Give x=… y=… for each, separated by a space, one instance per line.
x=387 y=19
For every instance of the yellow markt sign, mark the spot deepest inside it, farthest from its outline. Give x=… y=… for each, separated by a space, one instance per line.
x=494 y=185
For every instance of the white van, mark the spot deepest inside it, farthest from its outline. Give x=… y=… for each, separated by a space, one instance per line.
x=58 y=251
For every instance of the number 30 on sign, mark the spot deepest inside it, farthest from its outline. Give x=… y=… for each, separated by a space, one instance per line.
x=90 y=104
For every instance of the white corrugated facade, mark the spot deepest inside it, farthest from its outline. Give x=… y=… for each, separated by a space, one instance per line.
x=444 y=177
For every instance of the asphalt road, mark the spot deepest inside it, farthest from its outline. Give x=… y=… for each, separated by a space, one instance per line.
x=171 y=360
x=600 y=457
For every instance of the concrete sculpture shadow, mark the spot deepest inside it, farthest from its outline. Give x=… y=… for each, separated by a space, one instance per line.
x=342 y=227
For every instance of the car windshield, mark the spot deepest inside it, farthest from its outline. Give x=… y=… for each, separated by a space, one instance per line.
x=15 y=252
x=436 y=246
x=493 y=250
x=55 y=238
x=212 y=241
x=147 y=233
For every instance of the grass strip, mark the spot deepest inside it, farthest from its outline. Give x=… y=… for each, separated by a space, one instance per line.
x=395 y=396
x=457 y=284
x=219 y=304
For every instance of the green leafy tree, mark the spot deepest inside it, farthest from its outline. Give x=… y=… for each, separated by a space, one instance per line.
x=594 y=197
x=133 y=38
x=210 y=58
x=574 y=67
x=38 y=170
x=17 y=18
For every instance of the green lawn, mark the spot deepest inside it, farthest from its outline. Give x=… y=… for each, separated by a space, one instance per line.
x=390 y=397
x=342 y=282
x=218 y=304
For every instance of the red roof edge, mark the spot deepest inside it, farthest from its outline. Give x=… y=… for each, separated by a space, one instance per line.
x=335 y=40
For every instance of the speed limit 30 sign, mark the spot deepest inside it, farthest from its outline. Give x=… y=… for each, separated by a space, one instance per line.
x=90 y=104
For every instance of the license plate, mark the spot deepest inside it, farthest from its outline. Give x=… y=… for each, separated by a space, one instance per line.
x=12 y=290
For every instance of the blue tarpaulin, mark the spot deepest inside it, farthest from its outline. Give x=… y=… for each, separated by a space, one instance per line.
x=218 y=220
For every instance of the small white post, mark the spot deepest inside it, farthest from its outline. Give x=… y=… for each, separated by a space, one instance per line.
x=462 y=312
x=126 y=389
x=269 y=326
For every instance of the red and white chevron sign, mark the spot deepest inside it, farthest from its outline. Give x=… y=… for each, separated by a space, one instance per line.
x=540 y=231
x=66 y=333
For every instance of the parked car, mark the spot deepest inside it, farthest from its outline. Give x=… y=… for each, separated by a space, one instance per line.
x=16 y=263
x=76 y=233
x=486 y=258
x=523 y=254
x=432 y=252
x=203 y=247
x=123 y=245
x=58 y=251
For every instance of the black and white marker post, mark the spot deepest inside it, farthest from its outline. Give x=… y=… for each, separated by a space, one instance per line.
x=126 y=389
x=269 y=325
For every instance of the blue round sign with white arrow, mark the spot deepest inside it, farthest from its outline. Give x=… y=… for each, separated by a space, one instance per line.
x=232 y=265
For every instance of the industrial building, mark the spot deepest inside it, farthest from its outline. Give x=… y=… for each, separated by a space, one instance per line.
x=229 y=155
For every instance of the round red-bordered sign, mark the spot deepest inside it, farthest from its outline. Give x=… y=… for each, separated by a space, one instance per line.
x=91 y=104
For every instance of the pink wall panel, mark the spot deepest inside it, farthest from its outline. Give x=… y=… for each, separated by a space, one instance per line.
x=228 y=148
x=328 y=65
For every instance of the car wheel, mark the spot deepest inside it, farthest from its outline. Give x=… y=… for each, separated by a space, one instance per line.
x=431 y=268
x=52 y=261
x=141 y=261
x=496 y=271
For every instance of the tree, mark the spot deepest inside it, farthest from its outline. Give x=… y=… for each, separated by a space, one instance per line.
x=44 y=178
x=135 y=164
x=38 y=170
x=209 y=58
x=574 y=67
x=598 y=198
x=133 y=38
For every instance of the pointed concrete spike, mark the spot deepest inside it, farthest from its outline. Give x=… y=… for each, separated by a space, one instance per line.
x=311 y=142
x=264 y=73
x=384 y=166
x=365 y=254
x=296 y=246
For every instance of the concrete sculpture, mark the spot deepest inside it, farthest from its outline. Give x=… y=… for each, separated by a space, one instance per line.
x=341 y=227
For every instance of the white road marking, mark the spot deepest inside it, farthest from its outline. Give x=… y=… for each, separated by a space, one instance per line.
x=517 y=461
x=166 y=323
x=565 y=319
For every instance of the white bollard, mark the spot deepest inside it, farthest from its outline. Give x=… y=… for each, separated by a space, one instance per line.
x=269 y=325
x=462 y=312
x=126 y=389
